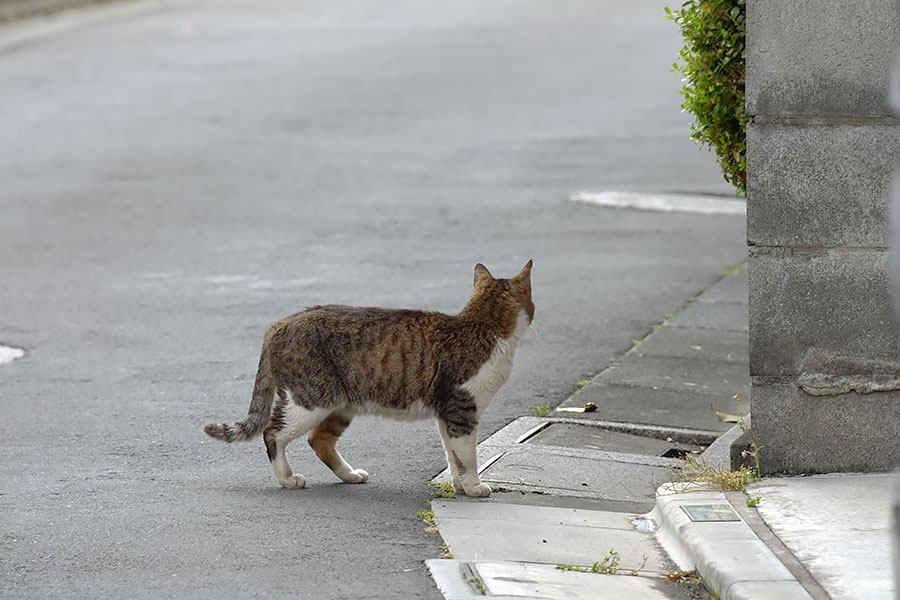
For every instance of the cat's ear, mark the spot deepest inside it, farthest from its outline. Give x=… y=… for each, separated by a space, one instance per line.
x=482 y=274
x=524 y=275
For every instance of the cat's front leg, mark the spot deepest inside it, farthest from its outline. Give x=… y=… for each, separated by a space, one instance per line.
x=451 y=463
x=461 y=453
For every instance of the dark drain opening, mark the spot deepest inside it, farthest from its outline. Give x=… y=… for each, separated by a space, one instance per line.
x=675 y=453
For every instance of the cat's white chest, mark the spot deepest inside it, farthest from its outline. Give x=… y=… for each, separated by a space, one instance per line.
x=495 y=371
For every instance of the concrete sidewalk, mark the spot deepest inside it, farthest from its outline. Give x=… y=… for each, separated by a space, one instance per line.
x=593 y=504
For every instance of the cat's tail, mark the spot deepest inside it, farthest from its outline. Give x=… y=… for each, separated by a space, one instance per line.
x=260 y=409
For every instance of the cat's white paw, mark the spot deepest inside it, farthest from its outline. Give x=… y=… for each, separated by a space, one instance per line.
x=294 y=482
x=482 y=490
x=356 y=476
x=458 y=487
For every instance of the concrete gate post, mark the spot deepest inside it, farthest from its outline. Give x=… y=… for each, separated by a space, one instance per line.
x=822 y=146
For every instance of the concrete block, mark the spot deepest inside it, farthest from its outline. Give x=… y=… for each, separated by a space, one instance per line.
x=817 y=185
x=827 y=311
x=814 y=58
x=800 y=433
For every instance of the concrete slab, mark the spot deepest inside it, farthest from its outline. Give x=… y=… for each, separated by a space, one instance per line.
x=549 y=582
x=661 y=406
x=538 y=534
x=696 y=343
x=838 y=526
x=530 y=498
x=499 y=512
x=606 y=475
x=721 y=378
x=570 y=435
x=732 y=288
x=510 y=465
x=500 y=579
x=713 y=315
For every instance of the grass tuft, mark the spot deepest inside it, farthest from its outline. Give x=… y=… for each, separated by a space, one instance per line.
x=717 y=479
x=540 y=410
x=443 y=489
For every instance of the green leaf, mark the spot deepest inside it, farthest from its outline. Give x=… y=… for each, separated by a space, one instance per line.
x=712 y=64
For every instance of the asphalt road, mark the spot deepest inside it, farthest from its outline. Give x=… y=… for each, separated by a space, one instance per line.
x=175 y=178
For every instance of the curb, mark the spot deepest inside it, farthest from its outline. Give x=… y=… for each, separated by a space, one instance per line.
x=17 y=10
x=721 y=546
x=18 y=27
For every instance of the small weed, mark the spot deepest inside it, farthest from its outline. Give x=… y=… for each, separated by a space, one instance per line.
x=443 y=490
x=427 y=515
x=609 y=565
x=583 y=383
x=643 y=564
x=445 y=551
x=714 y=590
x=713 y=478
x=474 y=580
x=541 y=410
x=754 y=453
x=689 y=577
x=753 y=502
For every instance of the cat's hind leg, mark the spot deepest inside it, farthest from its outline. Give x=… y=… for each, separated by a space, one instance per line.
x=323 y=440
x=289 y=421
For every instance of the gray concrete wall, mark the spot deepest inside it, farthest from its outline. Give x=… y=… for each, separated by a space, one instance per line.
x=821 y=149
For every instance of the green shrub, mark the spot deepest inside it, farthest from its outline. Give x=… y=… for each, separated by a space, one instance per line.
x=712 y=62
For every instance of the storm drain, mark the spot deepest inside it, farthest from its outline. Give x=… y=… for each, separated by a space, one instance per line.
x=9 y=354
x=592 y=437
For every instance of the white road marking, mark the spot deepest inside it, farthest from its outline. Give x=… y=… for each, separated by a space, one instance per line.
x=663 y=202
x=9 y=354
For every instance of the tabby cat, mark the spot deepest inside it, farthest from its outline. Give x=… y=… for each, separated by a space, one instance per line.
x=328 y=364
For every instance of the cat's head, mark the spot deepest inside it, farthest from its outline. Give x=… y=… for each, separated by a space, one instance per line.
x=514 y=293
